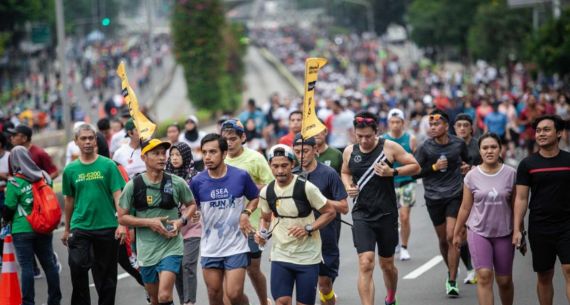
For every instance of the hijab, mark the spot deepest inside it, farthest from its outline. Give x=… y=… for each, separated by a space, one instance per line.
x=186 y=171
x=21 y=163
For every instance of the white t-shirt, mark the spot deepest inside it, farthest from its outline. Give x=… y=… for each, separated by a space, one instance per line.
x=341 y=126
x=130 y=159
x=4 y=166
x=72 y=150
x=118 y=140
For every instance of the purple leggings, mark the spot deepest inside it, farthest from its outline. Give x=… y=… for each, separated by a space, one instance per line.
x=491 y=253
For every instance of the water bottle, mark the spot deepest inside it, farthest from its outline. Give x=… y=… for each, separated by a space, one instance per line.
x=265 y=235
x=444 y=158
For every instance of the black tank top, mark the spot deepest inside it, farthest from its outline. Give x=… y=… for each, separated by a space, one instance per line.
x=377 y=197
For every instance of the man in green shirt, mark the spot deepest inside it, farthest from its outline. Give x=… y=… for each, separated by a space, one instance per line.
x=149 y=203
x=91 y=187
x=328 y=155
x=256 y=166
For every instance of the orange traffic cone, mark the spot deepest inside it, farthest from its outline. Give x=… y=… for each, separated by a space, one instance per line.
x=10 y=293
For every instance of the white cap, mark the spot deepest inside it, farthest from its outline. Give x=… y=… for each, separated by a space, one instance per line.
x=427 y=99
x=288 y=152
x=395 y=112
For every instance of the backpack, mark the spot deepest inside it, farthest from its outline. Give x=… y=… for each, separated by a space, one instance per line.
x=46 y=211
x=141 y=201
x=299 y=197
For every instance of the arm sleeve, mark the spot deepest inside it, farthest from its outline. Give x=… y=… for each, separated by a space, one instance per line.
x=523 y=175
x=337 y=188
x=250 y=189
x=11 y=199
x=66 y=186
x=194 y=188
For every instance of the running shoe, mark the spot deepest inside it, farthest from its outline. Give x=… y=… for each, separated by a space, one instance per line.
x=471 y=277
x=57 y=263
x=393 y=303
x=404 y=254
x=451 y=289
x=37 y=274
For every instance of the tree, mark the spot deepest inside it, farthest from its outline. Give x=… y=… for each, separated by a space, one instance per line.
x=209 y=52
x=550 y=46
x=499 y=32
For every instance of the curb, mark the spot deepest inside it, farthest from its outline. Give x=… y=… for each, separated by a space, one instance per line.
x=296 y=84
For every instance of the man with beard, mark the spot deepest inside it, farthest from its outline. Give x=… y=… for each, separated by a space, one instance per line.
x=221 y=192
x=192 y=136
x=546 y=174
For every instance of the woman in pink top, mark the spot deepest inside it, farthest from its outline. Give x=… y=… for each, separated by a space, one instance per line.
x=486 y=211
x=180 y=163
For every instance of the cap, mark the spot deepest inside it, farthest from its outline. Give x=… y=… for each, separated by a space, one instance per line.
x=233 y=124
x=299 y=139
x=129 y=125
x=281 y=150
x=464 y=117
x=428 y=100
x=125 y=113
x=23 y=129
x=151 y=144
x=192 y=118
x=395 y=112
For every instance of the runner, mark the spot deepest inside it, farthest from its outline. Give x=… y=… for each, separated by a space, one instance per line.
x=329 y=183
x=368 y=178
x=296 y=247
x=295 y=120
x=149 y=203
x=488 y=195
x=91 y=187
x=328 y=155
x=220 y=192
x=129 y=155
x=254 y=163
x=546 y=174
x=405 y=185
x=443 y=159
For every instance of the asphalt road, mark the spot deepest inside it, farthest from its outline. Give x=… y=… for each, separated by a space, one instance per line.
x=427 y=288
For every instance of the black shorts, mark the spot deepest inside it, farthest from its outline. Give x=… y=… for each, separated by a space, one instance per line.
x=440 y=209
x=384 y=233
x=545 y=248
x=329 y=266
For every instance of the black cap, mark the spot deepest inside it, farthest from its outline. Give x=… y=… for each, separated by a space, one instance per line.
x=23 y=129
x=299 y=139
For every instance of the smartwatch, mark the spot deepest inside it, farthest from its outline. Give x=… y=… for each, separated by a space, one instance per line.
x=395 y=172
x=309 y=229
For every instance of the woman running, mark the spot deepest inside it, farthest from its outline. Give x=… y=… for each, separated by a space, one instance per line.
x=486 y=211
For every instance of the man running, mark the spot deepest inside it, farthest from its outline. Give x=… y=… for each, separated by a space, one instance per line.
x=91 y=188
x=296 y=248
x=329 y=183
x=405 y=185
x=546 y=174
x=149 y=203
x=443 y=158
x=220 y=192
x=295 y=120
x=254 y=163
x=367 y=175
x=328 y=155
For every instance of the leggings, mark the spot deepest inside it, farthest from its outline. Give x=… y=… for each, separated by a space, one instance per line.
x=492 y=252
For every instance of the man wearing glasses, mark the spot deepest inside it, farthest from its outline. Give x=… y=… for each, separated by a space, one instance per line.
x=368 y=177
x=443 y=159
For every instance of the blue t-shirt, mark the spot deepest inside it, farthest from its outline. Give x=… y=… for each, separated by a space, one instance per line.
x=496 y=122
x=221 y=202
x=328 y=182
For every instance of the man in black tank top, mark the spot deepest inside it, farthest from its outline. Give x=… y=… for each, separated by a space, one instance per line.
x=367 y=175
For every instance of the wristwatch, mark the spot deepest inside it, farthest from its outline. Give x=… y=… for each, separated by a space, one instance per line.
x=395 y=173
x=309 y=229
x=247 y=212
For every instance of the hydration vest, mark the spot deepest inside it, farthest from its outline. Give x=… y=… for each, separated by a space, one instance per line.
x=166 y=191
x=299 y=197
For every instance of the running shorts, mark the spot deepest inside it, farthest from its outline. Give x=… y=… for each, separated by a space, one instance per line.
x=406 y=194
x=303 y=277
x=382 y=233
x=235 y=261
x=440 y=209
x=329 y=266
x=545 y=248
x=150 y=274
x=254 y=251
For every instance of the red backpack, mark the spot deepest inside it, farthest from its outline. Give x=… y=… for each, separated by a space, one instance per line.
x=46 y=212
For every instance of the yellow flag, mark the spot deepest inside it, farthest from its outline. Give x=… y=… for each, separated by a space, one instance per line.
x=144 y=126
x=311 y=125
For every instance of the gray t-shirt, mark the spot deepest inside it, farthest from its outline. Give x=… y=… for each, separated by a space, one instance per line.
x=491 y=214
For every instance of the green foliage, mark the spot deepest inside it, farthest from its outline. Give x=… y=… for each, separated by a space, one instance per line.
x=162 y=126
x=499 y=32
x=210 y=52
x=550 y=45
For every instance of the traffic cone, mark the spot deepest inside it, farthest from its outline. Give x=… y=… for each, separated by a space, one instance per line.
x=10 y=293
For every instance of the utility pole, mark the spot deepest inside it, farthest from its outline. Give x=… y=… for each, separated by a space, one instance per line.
x=63 y=69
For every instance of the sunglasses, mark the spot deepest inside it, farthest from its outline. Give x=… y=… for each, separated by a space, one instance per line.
x=366 y=121
x=437 y=117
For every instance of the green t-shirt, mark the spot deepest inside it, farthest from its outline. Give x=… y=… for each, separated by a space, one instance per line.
x=331 y=157
x=151 y=246
x=92 y=187
x=19 y=198
x=258 y=169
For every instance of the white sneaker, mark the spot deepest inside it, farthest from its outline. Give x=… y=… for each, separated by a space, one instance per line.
x=471 y=277
x=404 y=254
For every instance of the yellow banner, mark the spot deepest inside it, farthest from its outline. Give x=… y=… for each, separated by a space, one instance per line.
x=311 y=125
x=144 y=126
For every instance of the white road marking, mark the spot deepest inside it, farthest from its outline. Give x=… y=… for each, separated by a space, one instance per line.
x=119 y=277
x=424 y=268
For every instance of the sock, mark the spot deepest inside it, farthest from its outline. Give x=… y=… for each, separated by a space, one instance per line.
x=404 y=247
x=167 y=303
x=466 y=256
x=391 y=296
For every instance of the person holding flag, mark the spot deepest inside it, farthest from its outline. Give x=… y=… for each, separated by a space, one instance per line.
x=368 y=177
